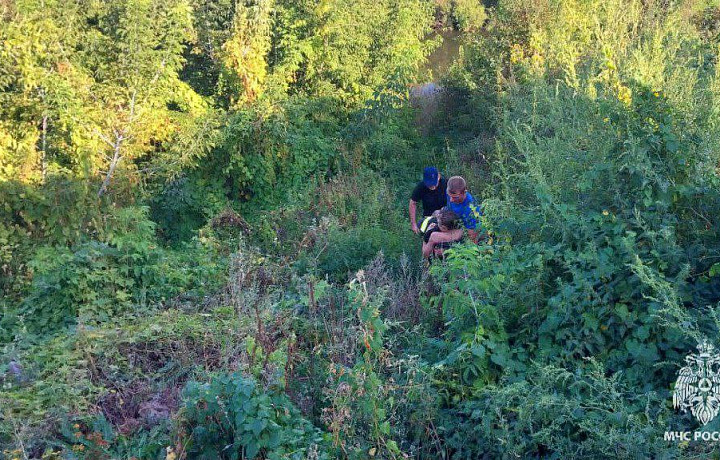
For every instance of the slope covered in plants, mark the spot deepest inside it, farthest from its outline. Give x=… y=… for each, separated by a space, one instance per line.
x=205 y=250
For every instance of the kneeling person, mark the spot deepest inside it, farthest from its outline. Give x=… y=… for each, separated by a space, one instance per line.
x=441 y=232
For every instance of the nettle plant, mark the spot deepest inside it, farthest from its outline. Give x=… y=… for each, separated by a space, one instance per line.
x=622 y=227
x=558 y=413
x=232 y=417
x=359 y=397
x=477 y=342
x=96 y=279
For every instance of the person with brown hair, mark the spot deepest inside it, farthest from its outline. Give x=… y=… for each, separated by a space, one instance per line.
x=442 y=233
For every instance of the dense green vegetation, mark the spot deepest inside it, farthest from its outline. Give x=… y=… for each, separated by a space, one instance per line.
x=205 y=252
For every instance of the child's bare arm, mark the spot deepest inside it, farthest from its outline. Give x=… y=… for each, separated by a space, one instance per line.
x=446 y=237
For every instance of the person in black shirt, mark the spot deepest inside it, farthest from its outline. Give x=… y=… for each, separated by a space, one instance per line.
x=431 y=191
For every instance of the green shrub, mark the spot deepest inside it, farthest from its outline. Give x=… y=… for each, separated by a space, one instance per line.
x=185 y=204
x=469 y=15
x=116 y=366
x=605 y=204
x=559 y=413
x=94 y=437
x=469 y=284
x=98 y=280
x=359 y=412
x=61 y=212
x=349 y=250
x=231 y=417
x=86 y=284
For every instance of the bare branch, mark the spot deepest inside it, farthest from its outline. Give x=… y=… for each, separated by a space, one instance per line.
x=44 y=146
x=104 y=138
x=132 y=104
x=113 y=164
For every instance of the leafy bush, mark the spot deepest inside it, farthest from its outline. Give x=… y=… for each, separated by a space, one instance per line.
x=359 y=411
x=469 y=283
x=231 y=417
x=98 y=280
x=85 y=284
x=604 y=182
x=185 y=204
x=469 y=15
x=94 y=437
x=349 y=250
x=61 y=212
x=559 y=413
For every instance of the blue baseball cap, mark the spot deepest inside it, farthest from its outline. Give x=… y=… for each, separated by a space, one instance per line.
x=430 y=176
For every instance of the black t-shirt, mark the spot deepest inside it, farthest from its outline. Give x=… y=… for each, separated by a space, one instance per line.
x=432 y=200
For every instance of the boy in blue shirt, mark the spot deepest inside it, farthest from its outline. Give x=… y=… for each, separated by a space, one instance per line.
x=462 y=203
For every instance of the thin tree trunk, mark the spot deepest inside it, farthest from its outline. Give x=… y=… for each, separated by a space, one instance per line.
x=113 y=164
x=44 y=147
